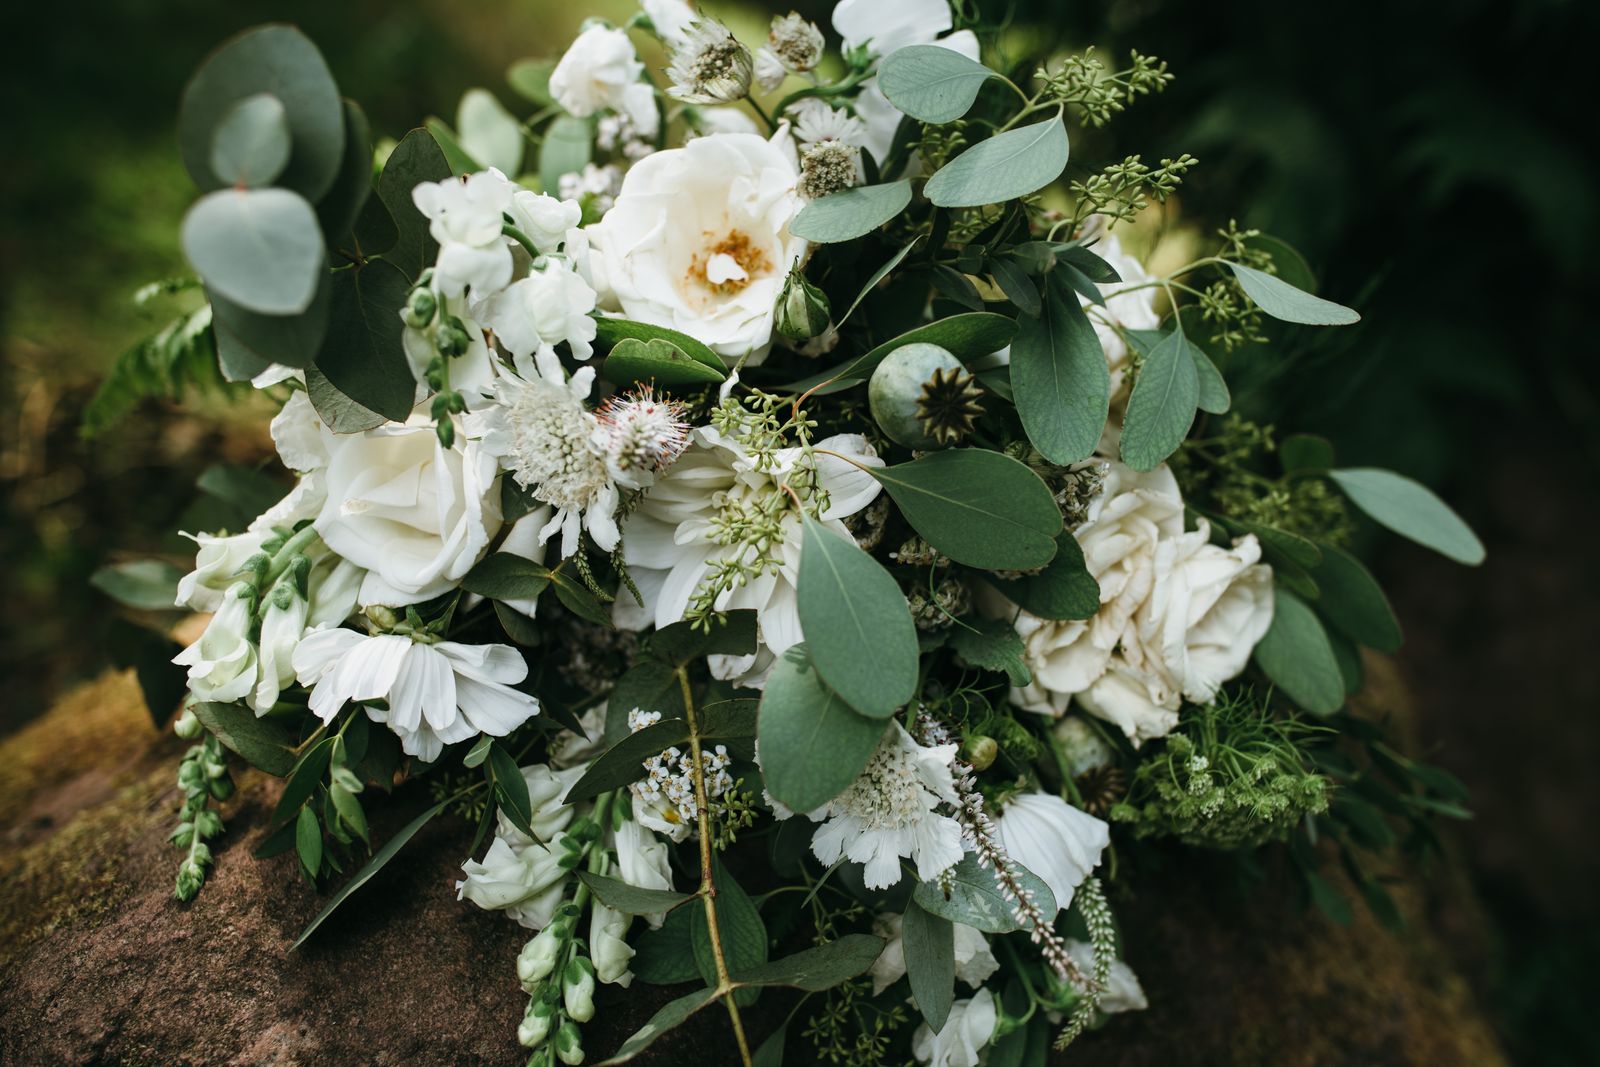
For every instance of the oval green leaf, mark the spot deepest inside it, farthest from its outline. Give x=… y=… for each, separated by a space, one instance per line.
x=932 y=83
x=967 y=336
x=848 y=604
x=1064 y=590
x=260 y=248
x=975 y=898
x=978 y=507
x=1214 y=395
x=1283 y=301
x=1411 y=510
x=251 y=144
x=1059 y=377
x=656 y=360
x=1162 y=406
x=812 y=745
x=1004 y=167
x=488 y=132
x=930 y=947
x=853 y=213
x=610 y=332
x=629 y=899
x=1354 y=602
x=566 y=150
x=361 y=354
x=1296 y=656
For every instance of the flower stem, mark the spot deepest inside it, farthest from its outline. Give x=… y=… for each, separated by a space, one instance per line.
x=708 y=889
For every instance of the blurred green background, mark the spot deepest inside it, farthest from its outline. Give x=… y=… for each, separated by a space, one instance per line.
x=1434 y=162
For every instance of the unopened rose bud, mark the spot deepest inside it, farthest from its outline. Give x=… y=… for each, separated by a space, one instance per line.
x=803 y=310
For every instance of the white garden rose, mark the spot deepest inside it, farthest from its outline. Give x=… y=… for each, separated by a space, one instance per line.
x=414 y=514
x=699 y=240
x=601 y=70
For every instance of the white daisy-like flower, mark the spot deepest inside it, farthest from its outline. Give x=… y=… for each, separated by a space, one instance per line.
x=437 y=694
x=889 y=813
x=1052 y=839
x=642 y=434
x=680 y=532
x=815 y=121
x=544 y=436
x=709 y=65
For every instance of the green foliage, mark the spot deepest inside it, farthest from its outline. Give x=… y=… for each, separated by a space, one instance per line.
x=1084 y=83
x=853 y=213
x=932 y=83
x=813 y=744
x=1163 y=404
x=179 y=358
x=1059 y=376
x=1233 y=775
x=1006 y=166
x=203 y=777
x=850 y=1030
x=970 y=893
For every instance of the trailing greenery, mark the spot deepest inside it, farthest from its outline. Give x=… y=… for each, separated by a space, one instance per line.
x=203 y=777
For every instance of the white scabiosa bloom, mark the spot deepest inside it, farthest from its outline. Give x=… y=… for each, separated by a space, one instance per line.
x=974 y=961
x=676 y=538
x=549 y=307
x=464 y=216
x=540 y=431
x=1052 y=839
x=698 y=240
x=437 y=694
x=709 y=65
x=969 y=1028
x=889 y=813
x=601 y=70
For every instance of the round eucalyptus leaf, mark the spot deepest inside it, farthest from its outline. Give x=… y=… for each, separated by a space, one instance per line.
x=488 y=132
x=282 y=61
x=1004 y=167
x=259 y=248
x=251 y=143
x=853 y=213
x=932 y=83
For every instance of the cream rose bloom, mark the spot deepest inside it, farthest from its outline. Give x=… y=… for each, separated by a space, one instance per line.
x=1178 y=615
x=699 y=241
x=414 y=514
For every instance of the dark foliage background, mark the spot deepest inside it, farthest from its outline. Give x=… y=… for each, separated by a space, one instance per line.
x=1434 y=161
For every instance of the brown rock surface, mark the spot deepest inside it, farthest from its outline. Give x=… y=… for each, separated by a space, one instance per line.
x=99 y=964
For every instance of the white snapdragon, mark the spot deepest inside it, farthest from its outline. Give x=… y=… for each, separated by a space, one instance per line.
x=550 y=306
x=608 y=945
x=543 y=219
x=223 y=662
x=671 y=18
x=967 y=1030
x=284 y=619
x=642 y=860
x=526 y=882
x=464 y=217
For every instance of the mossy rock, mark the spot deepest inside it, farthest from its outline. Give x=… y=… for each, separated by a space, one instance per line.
x=100 y=964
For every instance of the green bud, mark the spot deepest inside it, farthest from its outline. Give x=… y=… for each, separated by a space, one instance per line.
x=447 y=432
x=981 y=751
x=569 y=1044
x=802 y=311
x=383 y=618
x=577 y=989
x=452 y=339
x=535 y=1025
x=187 y=727
x=538 y=957
x=420 y=308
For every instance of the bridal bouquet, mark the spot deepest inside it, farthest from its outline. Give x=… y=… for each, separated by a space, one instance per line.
x=767 y=492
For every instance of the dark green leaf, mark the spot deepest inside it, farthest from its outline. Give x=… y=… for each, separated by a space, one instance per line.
x=248 y=341
x=975 y=898
x=308 y=842
x=507 y=576
x=623 y=763
x=744 y=935
x=632 y=900
x=309 y=773
x=931 y=83
x=511 y=789
x=657 y=360
x=461 y=162
x=1088 y=263
x=250 y=145
x=877 y=276
x=664 y=956
x=1352 y=600
x=1162 y=406
x=1059 y=377
x=259 y=742
x=853 y=213
x=648 y=686
x=991 y=645
x=812 y=744
x=1296 y=655
x=1063 y=590
x=1283 y=301
x=1410 y=510
x=770 y=1052
x=259 y=248
x=1006 y=166
x=372 y=867
x=149 y=651
x=146 y=584
x=734 y=634
x=978 y=507
x=341 y=207
x=674 y=1014
x=611 y=332
x=336 y=410
x=282 y=61
x=1015 y=283
x=1214 y=396
x=578 y=599
x=956 y=287
x=1305 y=452
x=276 y=843
x=823 y=967
x=930 y=948
x=362 y=355
x=849 y=605
x=245 y=489
x=415 y=159
x=478 y=752
x=1328 y=900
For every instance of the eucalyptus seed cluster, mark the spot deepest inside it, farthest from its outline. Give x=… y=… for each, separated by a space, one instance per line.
x=203 y=777
x=1084 y=82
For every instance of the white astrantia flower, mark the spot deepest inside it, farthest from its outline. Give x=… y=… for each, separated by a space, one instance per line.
x=795 y=42
x=889 y=813
x=674 y=537
x=709 y=65
x=815 y=121
x=549 y=307
x=968 y=1029
x=414 y=514
x=1123 y=991
x=223 y=662
x=464 y=216
x=1178 y=615
x=974 y=960
x=768 y=70
x=601 y=70
x=539 y=430
x=887 y=27
x=437 y=693
x=1053 y=839
x=698 y=240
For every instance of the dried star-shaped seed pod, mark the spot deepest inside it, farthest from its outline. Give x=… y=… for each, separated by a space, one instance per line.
x=949 y=407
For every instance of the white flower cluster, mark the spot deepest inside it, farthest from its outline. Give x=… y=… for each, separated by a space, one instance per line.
x=664 y=800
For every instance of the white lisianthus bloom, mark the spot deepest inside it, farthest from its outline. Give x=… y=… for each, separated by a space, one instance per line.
x=974 y=961
x=1052 y=839
x=414 y=514
x=601 y=70
x=527 y=882
x=642 y=860
x=968 y=1029
x=538 y=428
x=550 y=306
x=884 y=28
x=464 y=216
x=544 y=219
x=437 y=693
x=223 y=664
x=1178 y=615
x=888 y=813
x=1122 y=992
x=698 y=240
x=672 y=540
x=608 y=945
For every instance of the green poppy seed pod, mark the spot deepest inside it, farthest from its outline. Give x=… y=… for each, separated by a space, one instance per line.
x=981 y=751
x=803 y=311
x=569 y=1044
x=421 y=307
x=896 y=388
